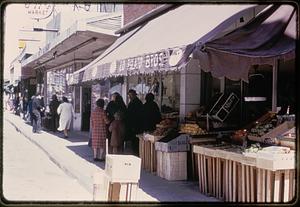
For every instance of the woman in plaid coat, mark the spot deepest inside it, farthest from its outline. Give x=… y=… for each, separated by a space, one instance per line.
x=99 y=121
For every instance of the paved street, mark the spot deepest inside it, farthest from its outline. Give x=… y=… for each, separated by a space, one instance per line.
x=30 y=175
x=74 y=158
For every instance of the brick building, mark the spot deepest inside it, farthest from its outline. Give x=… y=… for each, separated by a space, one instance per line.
x=134 y=11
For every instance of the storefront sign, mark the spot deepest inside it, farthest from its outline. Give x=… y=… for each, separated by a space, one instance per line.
x=146 y=62
x=39 y=11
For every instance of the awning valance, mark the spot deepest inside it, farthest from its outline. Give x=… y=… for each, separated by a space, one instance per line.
x=158 y=44
x=271 y=35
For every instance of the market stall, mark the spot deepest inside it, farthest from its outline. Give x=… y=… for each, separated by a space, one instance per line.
x=251 y=166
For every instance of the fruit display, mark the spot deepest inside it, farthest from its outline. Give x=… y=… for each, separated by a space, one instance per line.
x=192 y=129
x=254 y=148
x=172 y=115
x=239 y=135
x=277 y=150
x=261 y=129
x=166 y=123
x=161 y=132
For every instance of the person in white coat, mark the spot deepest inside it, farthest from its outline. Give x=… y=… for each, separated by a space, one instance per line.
x=66 y=112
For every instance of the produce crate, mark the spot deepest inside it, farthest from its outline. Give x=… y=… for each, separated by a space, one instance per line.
x=276 y=132
x=172 y=165
x=235 y=177
x=179 y=144
x=119 y=191
x=270 y=160
x=147 y=154
x=275 y=186
x=123 y=168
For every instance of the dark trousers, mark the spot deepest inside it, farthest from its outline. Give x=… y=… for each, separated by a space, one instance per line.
x=135 y=145
x=36 y=127
x=54 y=122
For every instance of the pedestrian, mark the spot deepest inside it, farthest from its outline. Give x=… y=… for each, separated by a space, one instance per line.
x=151 y=113
x=29 y=109
x=116 y=104
x=134 y=119
x=36 y=112
x=117 y=129
x=99 y=120
x=66 y=112
x=53 y=105
x=24 y=107
x=16 y=104
x=43 y=106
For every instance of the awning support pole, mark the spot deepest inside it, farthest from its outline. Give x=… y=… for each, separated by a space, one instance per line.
x=274 y=85
x=160 y=92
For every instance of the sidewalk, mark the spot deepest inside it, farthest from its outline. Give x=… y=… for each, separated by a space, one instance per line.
x=75 y=158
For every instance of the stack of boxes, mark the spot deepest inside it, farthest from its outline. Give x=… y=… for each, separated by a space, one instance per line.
x=121 y=178
x=172 y=158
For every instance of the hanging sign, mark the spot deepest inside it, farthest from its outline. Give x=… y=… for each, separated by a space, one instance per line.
x=144 y=62
x=175 y=56
x=39 y=11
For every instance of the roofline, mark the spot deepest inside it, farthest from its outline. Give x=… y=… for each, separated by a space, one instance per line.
x=147 y=17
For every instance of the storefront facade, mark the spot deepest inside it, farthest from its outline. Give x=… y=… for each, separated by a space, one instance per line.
x=149 y=67
x=65 y=53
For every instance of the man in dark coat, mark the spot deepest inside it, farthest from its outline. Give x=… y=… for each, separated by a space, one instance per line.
x=36 y=110
x=134 y=119
x=151 y=113
x=53 y=105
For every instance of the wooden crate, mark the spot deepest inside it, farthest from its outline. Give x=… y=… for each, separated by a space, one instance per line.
x=175 y=165
x=172 y=165
x=275 y=186
x=234 y=177
x=123 y=168
x=147 y=154
x=159 y=164
x=104 y=189
x=276 y=132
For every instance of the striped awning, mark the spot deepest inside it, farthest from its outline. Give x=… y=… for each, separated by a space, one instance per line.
x=159 y=44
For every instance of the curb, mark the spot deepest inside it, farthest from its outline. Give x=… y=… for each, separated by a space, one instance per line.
x=54 y=160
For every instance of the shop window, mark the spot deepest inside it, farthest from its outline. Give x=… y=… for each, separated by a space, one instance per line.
x=57 y=83
x=168 y=88
x=110 y=7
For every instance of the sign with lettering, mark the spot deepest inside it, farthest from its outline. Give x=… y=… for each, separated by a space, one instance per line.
x=154 y=61
x=39 y=11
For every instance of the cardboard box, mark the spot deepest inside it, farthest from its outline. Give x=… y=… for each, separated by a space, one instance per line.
x=123 y=168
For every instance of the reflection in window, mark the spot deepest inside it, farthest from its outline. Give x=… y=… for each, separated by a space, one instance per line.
x=57 y=83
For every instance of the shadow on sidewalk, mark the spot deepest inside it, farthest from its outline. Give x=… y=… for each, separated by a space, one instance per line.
x=86 y=153
x=170 y=191
x=74 y=136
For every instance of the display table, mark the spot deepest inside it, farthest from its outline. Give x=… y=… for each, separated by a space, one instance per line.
x=193 y=164
x=147 y=152
x=227 y=174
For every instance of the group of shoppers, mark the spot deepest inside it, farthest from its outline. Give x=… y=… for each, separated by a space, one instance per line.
x=119 y=123
x=61 y=114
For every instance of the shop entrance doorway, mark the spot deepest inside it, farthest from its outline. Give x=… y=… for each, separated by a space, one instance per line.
x=86 y=109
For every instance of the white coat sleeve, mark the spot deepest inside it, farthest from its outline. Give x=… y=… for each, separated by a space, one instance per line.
x=59 y=109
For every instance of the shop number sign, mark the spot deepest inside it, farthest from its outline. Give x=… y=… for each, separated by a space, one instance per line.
x=39 y=11
x=150 y=61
